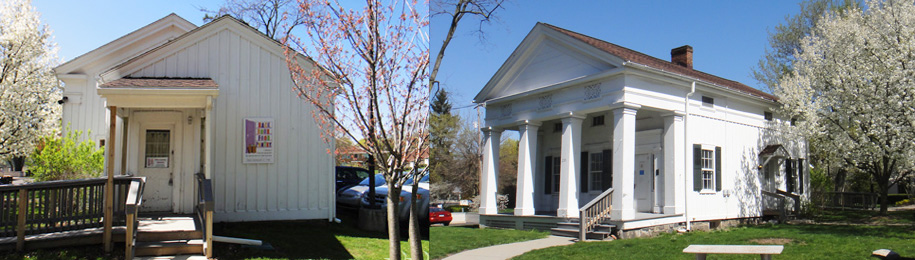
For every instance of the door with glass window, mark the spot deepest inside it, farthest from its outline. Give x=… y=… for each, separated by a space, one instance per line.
x=157 y=161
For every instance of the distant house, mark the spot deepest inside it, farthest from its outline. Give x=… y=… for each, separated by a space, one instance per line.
x=675 y=144
x=215 y=99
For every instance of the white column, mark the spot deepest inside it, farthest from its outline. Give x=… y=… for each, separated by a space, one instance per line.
x=568 y=173
x=624 y=162
x=527 y=162
x=208 y=140
x=673 y=163
x=490 y=174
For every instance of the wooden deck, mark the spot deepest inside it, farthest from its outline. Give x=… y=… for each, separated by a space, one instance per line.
x=150 y=229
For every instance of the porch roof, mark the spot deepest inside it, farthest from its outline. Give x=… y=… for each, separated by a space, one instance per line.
x=161 y=83
x=159 y=92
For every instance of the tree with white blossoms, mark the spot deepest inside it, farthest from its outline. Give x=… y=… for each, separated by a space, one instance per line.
x=29 y=91
x=853 y=86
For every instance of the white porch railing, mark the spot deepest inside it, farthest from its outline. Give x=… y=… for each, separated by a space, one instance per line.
x=594 y=213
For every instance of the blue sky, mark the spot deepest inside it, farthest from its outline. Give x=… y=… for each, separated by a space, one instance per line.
x=81 y=26
x=728 y=37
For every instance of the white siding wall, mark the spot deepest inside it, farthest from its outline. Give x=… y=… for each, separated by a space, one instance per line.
x=254 y=82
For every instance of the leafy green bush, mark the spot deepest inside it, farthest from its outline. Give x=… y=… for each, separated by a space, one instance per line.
x=62 y=158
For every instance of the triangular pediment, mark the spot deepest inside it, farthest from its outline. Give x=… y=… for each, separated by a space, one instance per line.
x=543 y=59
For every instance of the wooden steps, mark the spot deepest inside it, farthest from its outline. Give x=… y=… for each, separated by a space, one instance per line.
x=170 y=247
x=571 y=229
x=169 y=236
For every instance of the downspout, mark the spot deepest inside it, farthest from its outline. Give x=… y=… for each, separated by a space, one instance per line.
x=685 y=152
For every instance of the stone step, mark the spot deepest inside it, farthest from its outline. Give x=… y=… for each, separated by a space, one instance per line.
x=170 y=247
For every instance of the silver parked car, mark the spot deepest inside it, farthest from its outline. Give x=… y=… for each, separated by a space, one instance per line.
x=403 y=213
x=349 y=197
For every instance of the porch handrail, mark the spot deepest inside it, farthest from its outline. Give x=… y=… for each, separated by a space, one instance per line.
x=205 y=212
x=132 y=208
x=56 y=206
x=780 y=197
x=792 y=196
x=594 y=213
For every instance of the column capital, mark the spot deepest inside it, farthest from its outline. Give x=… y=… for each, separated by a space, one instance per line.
x=490 y=129
x=571 y=115
x=625 y=105
x=528 y=123
x=675 y=114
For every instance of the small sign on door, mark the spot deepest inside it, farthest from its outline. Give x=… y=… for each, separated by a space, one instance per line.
x=157 y=162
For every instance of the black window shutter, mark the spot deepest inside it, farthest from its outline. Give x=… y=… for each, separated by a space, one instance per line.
x=607 y=177
x=800 y=175
x=789 y=174
x=583 y=175
x=718 y=168
x=548 y=176
x=697 y=167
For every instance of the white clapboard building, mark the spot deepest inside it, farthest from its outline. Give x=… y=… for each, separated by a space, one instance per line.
x=673 y=143
x=215 y=99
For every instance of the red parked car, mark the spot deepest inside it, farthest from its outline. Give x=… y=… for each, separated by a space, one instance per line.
x=439 y=215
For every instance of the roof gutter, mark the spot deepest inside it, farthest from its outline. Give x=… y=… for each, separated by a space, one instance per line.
x=694 y=80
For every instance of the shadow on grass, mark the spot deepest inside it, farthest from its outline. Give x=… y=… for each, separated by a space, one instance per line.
x=305 y=240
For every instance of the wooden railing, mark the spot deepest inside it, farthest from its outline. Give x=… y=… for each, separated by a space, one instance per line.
x=205 y=212
x=594 y=213
x=781 y=197
x=131 y=208
x=845 y=200
x=57 y=206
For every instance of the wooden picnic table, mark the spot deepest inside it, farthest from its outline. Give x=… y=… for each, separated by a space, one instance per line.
x=764 y=251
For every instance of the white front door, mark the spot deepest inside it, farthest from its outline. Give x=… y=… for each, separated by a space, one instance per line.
x=644 y=175
x=157 y=164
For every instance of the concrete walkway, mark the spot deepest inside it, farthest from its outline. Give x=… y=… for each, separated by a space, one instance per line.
x=507 y=251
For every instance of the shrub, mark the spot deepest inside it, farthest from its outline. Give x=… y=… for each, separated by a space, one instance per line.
x=62 y=158
x=904 y=202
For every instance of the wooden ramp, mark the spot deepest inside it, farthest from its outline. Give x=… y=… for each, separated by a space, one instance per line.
x=156 y=236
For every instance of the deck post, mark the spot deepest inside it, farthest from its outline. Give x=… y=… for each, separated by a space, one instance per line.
x=20 y=227
x=109 y=185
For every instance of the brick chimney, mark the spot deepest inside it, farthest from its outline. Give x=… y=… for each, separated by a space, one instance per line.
x=682 y=56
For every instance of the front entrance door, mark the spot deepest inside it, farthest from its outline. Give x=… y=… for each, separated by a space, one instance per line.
x=644 y=182
x=157 y=164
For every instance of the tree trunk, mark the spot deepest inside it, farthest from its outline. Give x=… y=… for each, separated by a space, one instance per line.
x=416 y=245
x=884 y=189
x=16 y=163
x=393 y=200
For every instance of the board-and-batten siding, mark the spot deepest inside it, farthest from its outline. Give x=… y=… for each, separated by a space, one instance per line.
x=254 y=82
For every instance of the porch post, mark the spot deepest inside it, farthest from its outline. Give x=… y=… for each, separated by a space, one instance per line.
x=568 y=171
x=490 y=174
x=208 y=140
x=109 y=185
x=527 y=161
x=673 y=163
x=624 y=161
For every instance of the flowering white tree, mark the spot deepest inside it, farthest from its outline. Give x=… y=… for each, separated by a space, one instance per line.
x=371 y=86
x=29 y=91
x=853 y=86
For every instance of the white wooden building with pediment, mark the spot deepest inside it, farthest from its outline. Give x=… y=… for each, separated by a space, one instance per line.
x=662 y=143
x=215 y=99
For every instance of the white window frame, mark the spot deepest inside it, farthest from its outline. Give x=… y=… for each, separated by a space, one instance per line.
x=708 y=169
x=595 y=171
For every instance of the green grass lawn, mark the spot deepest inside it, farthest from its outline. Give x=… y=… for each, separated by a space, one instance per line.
x=70 y=253
x=449 y=240
x=800 y=241
x=307 y=240
x=866 y=217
